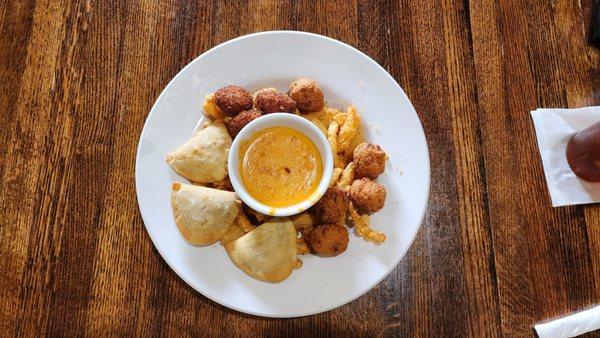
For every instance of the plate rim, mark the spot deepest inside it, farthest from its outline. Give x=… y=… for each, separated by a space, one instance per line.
x=302 y=313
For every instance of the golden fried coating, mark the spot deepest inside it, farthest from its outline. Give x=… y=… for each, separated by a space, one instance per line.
x=337 y=172
x=350 y=127
x=347 y=176
x=340 y=118
x=304 y=222
x=302 y=248
x=367 y=195
x=363 y=228
x=329 y=239
x=332 y=207
x=269 y=102
x=256 y=216
x=267 y=89
x=233 y=232
x=244 y=223
x=312 y=118
x=332 y=131
x=325 y=116
x=369 y=160
x=233 y=99
x=224 y=184
x=210 y=108
x=307 y=94
x=235 y=124
x=347 y=155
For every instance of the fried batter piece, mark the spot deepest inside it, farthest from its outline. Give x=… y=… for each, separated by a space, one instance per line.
x=335 y=176
x=233 y=99
x=332 y=207
x=303 y=248
x=307 y=94
x=262 y=90
x=317 y=122
x=260 y=218
x=332 y=132
x=244 y=223
x=347 y=155
x=369 y=160
x=269 y=102
x=367 y=195
x=235 y=124
x=325 y=116
x=340 y=118
x=210 y=108
x=348 y=129
x=347 y=176
x=363 y=228
x=329 y=239
x=304 y=222
x=224 y=184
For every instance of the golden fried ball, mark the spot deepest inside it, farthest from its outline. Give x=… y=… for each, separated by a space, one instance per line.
x=241 y=120
x=270 y=102
x=369 y=160
x=332 y=207
x=328 y=239
x=233 y=99
x=307 y=94
x=367 y=195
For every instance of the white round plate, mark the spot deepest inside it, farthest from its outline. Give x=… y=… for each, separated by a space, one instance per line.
x=273 y=59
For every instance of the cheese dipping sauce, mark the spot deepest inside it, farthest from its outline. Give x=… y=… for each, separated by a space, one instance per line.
x=280 y=166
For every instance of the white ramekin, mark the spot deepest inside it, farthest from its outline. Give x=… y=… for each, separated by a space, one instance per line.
x=292 y=121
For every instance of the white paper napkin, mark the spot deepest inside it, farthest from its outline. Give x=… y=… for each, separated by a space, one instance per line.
x=571 y=326
x=554 y=128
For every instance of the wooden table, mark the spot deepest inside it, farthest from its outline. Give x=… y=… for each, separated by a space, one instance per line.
x=492 y=257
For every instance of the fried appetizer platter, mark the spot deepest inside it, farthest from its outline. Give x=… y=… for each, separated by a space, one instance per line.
x=266 y=248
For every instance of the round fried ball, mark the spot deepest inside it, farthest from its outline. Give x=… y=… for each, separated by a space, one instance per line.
x=369 y=160
x=270 y=102
x=238 y=122
x=328 y=239
x=367 y=195
x=307 y=94
x=233 y=99
x=332 y=207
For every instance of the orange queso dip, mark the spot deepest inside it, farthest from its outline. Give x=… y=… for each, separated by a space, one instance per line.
x=280 y=166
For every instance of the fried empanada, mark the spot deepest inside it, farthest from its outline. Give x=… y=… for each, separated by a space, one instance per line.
x=203 y=158
x=203 y=214
x=267 y=253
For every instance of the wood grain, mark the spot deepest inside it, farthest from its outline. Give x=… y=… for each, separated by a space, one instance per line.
x=492 y=258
